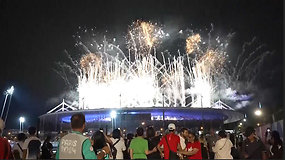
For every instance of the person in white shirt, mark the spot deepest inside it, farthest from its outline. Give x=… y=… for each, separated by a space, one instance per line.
x=32 y=145
x=222 y=148
x=183 y=136
x=18 y=147
x=118 y=143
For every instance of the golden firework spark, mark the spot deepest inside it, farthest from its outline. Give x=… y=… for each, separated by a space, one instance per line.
x=192 y=43
x=89 y=60
x=212 y=60
x=147 y=30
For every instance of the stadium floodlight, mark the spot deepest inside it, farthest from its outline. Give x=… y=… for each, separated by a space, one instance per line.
x=10 y=90
x=21 y=120
x=113 y=114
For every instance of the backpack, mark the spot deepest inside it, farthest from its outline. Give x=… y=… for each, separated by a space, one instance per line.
x=114 y=150
x=34 y=149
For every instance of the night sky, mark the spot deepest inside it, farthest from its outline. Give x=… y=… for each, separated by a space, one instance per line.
x=34 y=35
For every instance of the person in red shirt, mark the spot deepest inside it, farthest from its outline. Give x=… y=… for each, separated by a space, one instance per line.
x=193 y=148
x=5 y=148
x=173 y=142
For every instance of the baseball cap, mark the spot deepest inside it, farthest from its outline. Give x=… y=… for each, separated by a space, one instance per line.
x=171 y=127
x=2 y=124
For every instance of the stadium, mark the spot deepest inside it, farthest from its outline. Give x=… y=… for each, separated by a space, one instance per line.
x=58 y=119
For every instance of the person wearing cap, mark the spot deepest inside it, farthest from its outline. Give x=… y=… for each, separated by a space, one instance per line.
x=74 y=145
x=5 y=148
x=252 y=147
x=171 y=140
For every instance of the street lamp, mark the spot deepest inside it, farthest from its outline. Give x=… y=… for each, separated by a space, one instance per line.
x=21 y=120
x=244 y=119
x=258 y=112
x=7 y=93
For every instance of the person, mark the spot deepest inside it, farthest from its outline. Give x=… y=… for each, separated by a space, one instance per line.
x=211 y=140
x=193 y=147
x=31 y=146
x=47 y=148
x=276 y=146
x=74 y=145
x=139 y=146
x=223 y=147
x=171 y=140
x=183 y=135
x=5 y=148
x=153 y=141
x=252 y=146
x=118 y=143
x=204 y=148
x=18 y=147
x=128 y=140
x=100 y=146
x=234 y=149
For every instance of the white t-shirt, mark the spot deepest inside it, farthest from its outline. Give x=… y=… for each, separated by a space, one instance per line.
x=120 y=146
x=17 y=148
x=222 y=149
x=26 y=146
x=182 y=142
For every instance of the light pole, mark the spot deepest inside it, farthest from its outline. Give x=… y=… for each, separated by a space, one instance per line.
x=6 y=96
x=21 y=120
x=163 y=114
x=7 y=93
x=10 y=92
x=113 y=115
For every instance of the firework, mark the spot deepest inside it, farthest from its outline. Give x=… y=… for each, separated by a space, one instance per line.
x=143 y=36
x=192 y=43
x=106 y=80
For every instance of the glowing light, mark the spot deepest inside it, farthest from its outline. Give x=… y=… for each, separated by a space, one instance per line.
x=240 y=124
x=113 y=114
x=22 y=119
x=143 y=123
x=258 y=124
x=244 y=120
x=258 y=112
x=10 y=90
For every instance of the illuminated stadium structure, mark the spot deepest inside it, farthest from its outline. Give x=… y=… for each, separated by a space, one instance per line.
x=58 y=119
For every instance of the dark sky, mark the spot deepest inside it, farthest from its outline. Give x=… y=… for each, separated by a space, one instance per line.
x=34 y=35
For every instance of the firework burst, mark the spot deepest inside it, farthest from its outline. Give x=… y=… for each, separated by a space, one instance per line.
x=107 y=80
